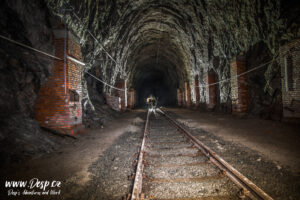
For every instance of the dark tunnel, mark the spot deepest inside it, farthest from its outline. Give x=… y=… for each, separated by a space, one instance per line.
x=155 y=82
x=75 y=118
x=158 y=70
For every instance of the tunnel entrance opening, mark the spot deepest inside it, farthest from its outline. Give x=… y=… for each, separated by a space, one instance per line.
x=156 y=82
x=158 y=69
x=156 y=85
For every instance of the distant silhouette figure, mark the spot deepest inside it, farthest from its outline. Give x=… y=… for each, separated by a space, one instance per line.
x=152 y=102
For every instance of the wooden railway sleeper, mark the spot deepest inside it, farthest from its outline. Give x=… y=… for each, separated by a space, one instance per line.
x=134 y=163
x=131 y=177
x=142 y=196
x=243 y=193
x=126 y=197
x=222 y=173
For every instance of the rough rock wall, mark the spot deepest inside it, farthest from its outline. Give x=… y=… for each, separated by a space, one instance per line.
x=181 y=38
x=191 y=35
x=22 y=73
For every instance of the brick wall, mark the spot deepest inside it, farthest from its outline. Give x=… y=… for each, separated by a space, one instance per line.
x=121 y=84
x=131 y=98
x=239 y=89
x=179 y=97
x=187 y=95
x=74 y=82
x=53 y=107
x=113 y=102
x=290 y=79
x=197 y=90
x=202 y=89
x=211 y=90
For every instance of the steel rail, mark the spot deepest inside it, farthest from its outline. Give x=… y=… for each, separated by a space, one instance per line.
x=138 y=179
x=248 y=187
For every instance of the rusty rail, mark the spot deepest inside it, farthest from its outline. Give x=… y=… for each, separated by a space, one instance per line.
x=138 y=179
x=248 y=188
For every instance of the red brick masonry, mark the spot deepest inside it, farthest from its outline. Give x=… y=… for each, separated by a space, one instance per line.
x=179 y=97
x=290 y=96
x=211 y=90
x=187 y=93
x=53 y=107
x=239 y=89
x=197 y=90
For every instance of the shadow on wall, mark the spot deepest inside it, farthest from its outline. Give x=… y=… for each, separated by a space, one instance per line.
x=263 y=102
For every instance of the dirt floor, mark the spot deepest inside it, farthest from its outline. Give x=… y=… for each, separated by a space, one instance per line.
x=97 y=165
x=180 y=171
x=75 y=163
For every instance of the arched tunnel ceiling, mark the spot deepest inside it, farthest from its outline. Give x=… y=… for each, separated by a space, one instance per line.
x=154 y=37
x=184 y=36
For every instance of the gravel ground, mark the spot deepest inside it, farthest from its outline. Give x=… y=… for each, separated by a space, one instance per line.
x=214 y=188
x=111 y=171
x=175 y=160
x=108 y=175
x=179 y=170
x=277 y=181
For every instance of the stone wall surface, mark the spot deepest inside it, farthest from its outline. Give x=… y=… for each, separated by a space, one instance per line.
x=22 y=72
x=184 y=37
x=113 y=102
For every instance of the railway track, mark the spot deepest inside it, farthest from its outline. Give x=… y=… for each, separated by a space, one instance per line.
x=172 y=164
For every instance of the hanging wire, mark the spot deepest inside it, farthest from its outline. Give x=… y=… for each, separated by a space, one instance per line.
x=28 y=47
x=102 y=47
x=236 y=76
x=81 y=63
x=57 y=58
x=105 y=82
